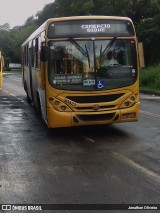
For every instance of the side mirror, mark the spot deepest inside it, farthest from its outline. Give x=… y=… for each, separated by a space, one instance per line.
x=44 y=53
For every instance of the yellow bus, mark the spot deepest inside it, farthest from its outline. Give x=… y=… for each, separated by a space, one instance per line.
x=1 y=68
x=82 y=70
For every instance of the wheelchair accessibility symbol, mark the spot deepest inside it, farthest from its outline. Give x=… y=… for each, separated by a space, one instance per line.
x=100 y=84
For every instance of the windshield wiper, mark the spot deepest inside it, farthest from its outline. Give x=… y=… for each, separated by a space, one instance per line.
x=95 y=67
x=108 y=47
x=100 y=54
x=78 y=46
x=88 y=56
x=84 y=52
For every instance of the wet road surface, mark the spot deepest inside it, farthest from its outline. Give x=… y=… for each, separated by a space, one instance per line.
x=114 y=164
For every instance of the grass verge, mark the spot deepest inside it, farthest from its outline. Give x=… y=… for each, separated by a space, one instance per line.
x=150 y=79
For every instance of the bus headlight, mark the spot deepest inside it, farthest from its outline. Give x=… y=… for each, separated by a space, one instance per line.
x=129 y=102
x=132 y=98
x=63 y=108
x=59 y=105
x=126 y=103
x=56 y=103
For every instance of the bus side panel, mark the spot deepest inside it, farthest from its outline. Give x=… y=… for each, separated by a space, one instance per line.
x=58 y=119
x=0 y=76
x=1 y=69
x=37 y=92
x=0 y=79
x=34 y=85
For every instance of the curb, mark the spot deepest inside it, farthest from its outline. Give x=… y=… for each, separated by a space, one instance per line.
x=150 y=93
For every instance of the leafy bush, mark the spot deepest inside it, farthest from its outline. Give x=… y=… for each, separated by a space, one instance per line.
x=148 y=32
x=150 y=78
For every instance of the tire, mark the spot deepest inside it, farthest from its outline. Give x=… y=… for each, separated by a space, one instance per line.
x=39 y=106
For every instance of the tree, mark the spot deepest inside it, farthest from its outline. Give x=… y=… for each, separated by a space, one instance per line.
x=149 y=33
x=11 y=41
x=49 y=11
x=144 y=14
x=5 y=26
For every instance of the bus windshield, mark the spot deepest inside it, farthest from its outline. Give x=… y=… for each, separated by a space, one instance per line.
x=92 y=64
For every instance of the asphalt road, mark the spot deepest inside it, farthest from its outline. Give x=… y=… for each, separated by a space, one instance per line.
x=115 y=164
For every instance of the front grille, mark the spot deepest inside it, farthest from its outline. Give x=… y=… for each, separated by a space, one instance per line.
x=100 y=108
x=95 y=99
x=101 y=117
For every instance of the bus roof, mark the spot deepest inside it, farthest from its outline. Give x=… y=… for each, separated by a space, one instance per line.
x=88 y=17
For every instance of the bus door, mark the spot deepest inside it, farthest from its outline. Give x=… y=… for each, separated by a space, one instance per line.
x=0 y=78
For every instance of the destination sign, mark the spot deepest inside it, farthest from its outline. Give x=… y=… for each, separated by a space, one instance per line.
x=82 y=28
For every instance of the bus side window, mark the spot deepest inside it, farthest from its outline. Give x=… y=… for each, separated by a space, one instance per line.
x=37 y=52
x=25 y=55
x=33 y=52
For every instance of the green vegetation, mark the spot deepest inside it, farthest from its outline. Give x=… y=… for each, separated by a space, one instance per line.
x=150 y=79
x=144 y=13
x=148 y=32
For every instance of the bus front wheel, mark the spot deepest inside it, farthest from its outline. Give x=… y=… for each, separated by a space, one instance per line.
x=39 y=106
x=26 y=90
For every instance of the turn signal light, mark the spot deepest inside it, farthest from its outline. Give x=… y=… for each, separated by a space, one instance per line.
x=51 y=99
